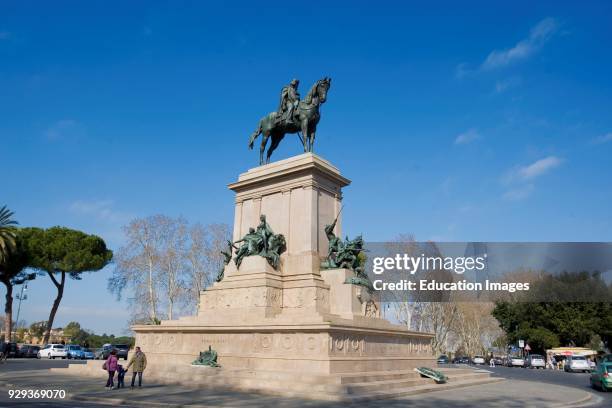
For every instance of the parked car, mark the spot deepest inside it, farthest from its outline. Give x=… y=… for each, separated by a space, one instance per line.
x=601 y=377
x=443 y=359
x=88 y=354
x=28 y=351
x=52 y=351
x=12 y=350
x=498 y=360
x=461 y=360
x=535 y=361
x=122 y=350
x=576 y=363
x=74 y=351
x=103 y=352
x=515 y=361
x=479 y=360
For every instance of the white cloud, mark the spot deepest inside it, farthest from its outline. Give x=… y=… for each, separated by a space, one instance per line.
x=519 y=193
x=508 y=83
x=539 y=167
x=100 y=209
x=62 y=129
x=603 y=138
x=539 y=35
x=520 y=179
x=467 y=137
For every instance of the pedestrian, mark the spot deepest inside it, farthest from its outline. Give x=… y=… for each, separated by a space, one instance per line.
x=111 y=366
x=549 y=362
x=121 y=376
x=492 y=362
x=139 y=361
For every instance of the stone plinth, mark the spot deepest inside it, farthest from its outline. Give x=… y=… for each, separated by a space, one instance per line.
x=297 y=320
x=299 y=196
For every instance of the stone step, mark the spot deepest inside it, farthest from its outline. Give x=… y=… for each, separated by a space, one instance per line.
x=396 y=375
x=368 y=387
x=419 y=389
x=334 y=387
x=378 y=376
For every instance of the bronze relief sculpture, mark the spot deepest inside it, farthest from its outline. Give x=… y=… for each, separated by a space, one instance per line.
x=347 y=254
x=261 y=241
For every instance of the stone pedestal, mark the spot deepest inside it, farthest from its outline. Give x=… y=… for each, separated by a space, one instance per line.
x=297 y=321
x=299 y=196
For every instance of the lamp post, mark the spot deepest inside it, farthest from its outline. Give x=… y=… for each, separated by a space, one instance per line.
x=22 y=296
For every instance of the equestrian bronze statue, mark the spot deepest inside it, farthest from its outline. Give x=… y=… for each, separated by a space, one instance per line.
x=293 y=116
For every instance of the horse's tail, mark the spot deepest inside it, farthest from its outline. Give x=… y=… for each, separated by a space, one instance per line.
x=255 y=135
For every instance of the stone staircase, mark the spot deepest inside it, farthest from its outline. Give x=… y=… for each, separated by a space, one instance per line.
x=334 y=387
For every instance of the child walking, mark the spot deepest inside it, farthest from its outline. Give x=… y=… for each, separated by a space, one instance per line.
x=121 y=376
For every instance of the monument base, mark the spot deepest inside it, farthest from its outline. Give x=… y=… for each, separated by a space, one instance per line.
x=323 y=348
x=327 y=327
x=296 y=321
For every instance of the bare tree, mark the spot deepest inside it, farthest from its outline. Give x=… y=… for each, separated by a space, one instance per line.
x=204 y=259
x=136 y=264
x=173 y=233
x=474 y=326
x=167 y=263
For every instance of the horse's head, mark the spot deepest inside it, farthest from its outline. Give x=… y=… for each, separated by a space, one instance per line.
x=318 y=92
x=277 y=243
x=323 y=86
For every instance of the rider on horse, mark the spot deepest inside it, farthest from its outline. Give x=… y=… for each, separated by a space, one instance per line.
x=292 y=116
x=290 y=98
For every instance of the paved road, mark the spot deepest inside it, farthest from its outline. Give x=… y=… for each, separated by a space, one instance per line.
x=524 y=388
x=556 y=377
x=20 y=364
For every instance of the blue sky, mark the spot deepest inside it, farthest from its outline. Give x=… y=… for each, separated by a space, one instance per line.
x=455 y=122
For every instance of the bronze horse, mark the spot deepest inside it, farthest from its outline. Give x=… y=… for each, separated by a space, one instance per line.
x=306 y=119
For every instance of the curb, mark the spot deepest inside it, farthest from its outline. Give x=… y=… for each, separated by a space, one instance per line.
x=577 y=403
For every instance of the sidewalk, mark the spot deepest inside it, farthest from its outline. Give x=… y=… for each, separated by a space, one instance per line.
x=82 y=390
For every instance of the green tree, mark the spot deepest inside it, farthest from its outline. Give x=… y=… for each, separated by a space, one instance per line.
x=21 y=334
x=565 y=309
x=539 y=338
x=12 y=273
x=7 y=247
x=37 y=329
x=62 y=251
x=7 y=233
x=72 y=330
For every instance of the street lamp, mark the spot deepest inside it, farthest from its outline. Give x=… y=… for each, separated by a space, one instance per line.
x=22 y=296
